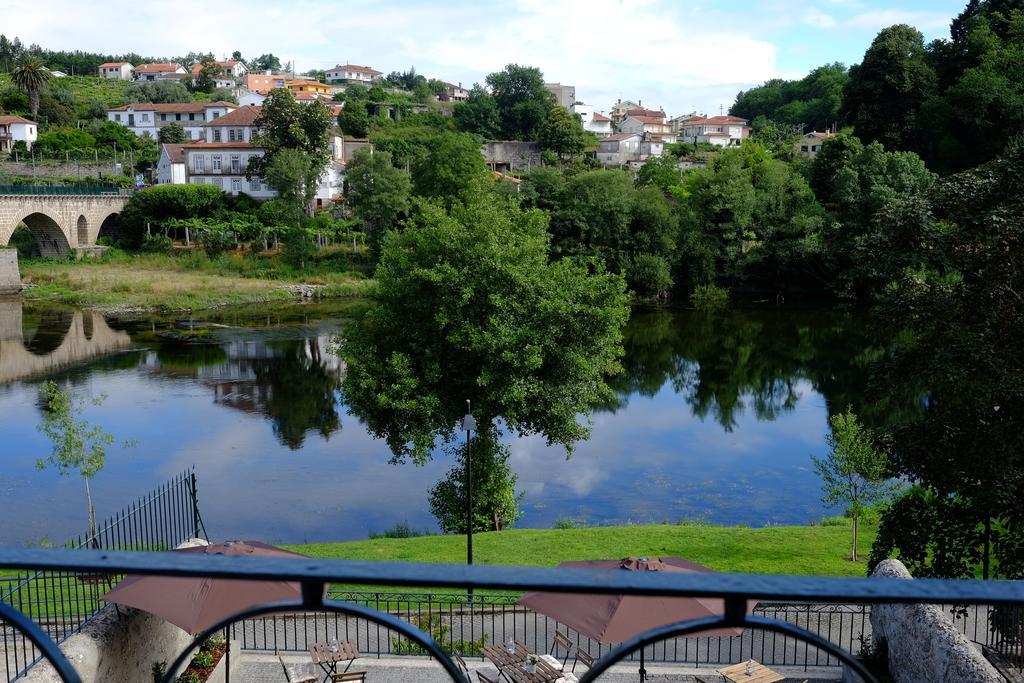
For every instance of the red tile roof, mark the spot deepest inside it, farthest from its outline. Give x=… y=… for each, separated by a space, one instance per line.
x=173 y=107
x=301 y=82
x=16 y=119
x=640 y=111
x=648 y=120
x=114 y=64
x=243 y=116
x=220 y=145
x=355 y=67
x=620 y=136
x=175 y=152
x=600 y=117
x=157 y=68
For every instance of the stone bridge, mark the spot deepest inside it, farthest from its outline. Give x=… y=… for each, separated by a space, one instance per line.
x=59 y=222
x=51 y=340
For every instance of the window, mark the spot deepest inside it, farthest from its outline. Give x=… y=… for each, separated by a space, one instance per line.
x=216 y=114
x=236 y=185
x=177 y=117
x=254 y=185
x=216 y=163
x=231 y=134
x=117 y=117
x=200 y=163
x=219 y=182
x=814 y=148
x=163 y=117
x=236 y=163
x=803 y=148
x=191 y=117
x=216 y=134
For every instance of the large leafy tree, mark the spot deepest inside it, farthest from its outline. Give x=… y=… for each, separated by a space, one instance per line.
x=171 y=133
x=478 y=114
x=885 y=94
x=378 y=193
x=956 y=321
x=452 y=167
x=812 y=102
x=31 y=76
x=522 y=100
x=284 y=124
x=562 y=133
x=495 y=501
x=469 y=306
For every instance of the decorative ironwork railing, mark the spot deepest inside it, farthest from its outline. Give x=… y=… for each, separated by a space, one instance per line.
x=62 y=601
x=314 y=575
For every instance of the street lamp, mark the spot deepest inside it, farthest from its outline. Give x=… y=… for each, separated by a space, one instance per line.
x=468 y=426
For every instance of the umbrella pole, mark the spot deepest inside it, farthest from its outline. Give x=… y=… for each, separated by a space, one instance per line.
x=643 y=671
x=227 y=655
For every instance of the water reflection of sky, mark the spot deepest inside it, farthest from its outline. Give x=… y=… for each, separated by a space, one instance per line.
x=653 y=460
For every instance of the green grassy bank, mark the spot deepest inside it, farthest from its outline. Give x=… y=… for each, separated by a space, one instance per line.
x=122 y=282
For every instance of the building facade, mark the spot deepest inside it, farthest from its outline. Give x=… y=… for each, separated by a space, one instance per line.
x=147 y=118
x=810 y=144
x=565 y=95
x=170 y=168
x=308 y=86
x=648 y=125
x=122 y=71
x=151 y=72
x=593 y=121
x=352 y=73
x=455 y=92
x=723 y=131
x=619 y=149
x=264 y=83
x=17 y=129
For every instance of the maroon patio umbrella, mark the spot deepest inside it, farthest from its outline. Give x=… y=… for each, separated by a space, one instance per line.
x=197 y=603
x=612 y=618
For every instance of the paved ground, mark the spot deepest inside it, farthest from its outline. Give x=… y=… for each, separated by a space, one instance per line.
x=259 y=668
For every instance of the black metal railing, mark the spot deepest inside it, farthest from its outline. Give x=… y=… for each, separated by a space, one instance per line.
x=61 y=601
x=77 y=190
x=314 y=575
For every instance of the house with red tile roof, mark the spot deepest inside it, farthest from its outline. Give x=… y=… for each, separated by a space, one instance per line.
x=593 y=121
x=17 y=129
x=810 y=144
x=151 y=72
x=724 y=131
x=352 y=73
x=230 y=68
x=123 y=71
x=650 y=125
x=147 y=118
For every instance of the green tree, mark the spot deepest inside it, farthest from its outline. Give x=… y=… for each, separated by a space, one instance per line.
x=522 y=101
x=353 y=120
x=266 y=62
x=284 y=124
x=378 y=193
x=287 y=173
x=161 y=91
x=813 y=102
x=660 y=172
x=495 y=501
x=886 y=92
x=853 y=473
x=594 y=218
x=470 y=307
x=77 y=445
x=206 y=79
x=452 y=166
x=115 y=136
x=31 y=76
x=478 y=114
x=562 y=133
x=173 y=132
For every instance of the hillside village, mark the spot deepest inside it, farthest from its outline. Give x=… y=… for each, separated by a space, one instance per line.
x=209 y=139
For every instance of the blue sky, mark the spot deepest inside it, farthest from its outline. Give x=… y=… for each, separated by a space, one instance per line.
x=682 y=56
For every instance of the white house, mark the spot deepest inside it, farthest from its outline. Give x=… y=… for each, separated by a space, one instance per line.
x=620 y=108
x=351 y=73
x=170 y=169
x=810 y=144
x=151 y=72
x=250 y=98
x=122 y=71
x=650 y=125
x=230 y=69
x=619 y=149
x=17 y=129
x=455 y=93
x=593 y=121
x=724 y=131
x=147 y=118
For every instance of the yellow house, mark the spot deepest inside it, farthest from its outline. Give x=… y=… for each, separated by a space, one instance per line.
x=308 y=86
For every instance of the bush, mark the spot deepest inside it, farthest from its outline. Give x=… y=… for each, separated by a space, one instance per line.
x=298 y=248
x=400 y=530
x=156 y=244
x=203 y=660
x=709 y=298
x=189 y=677
x=158 y=204
x=565 y=523
x=648 y=276
x=216 y=242
x=836 y=521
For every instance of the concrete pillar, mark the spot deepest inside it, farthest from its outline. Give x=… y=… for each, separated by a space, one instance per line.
x=10 y=276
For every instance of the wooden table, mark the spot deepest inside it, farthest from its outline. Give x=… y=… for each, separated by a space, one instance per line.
x=513 y=665
x=329 y=659
x=737 y=673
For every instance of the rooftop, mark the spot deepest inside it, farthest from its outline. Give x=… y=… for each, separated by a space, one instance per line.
x=175 y=152
x=158 y=67
x=16 y=119
x=243 y=116
x=355 y=67
x=173 y=107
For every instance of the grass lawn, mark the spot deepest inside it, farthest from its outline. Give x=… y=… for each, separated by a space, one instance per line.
x=804 y=550
x=147 y=282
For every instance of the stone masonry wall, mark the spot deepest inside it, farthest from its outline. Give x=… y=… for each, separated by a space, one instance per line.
x=58 y=222
x=924 y=646
x=58 y=170
x=10 y=277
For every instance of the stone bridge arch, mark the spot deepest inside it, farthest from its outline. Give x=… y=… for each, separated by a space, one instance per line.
x=51 y=237
x=60 y=222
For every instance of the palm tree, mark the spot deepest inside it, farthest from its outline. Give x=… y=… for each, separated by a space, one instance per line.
x=31 y=76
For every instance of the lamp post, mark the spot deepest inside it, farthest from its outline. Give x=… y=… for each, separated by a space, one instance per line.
x=468 y=425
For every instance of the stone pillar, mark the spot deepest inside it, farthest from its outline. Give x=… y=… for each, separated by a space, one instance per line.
x=922 y=641
x=10 y=277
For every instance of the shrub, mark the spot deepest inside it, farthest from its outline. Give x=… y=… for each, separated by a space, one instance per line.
x=709 y=298
x=203 y=660
x=648 y=276
x=156 y=244
x=564 y=523
x=400 y=530
x=835 y=521
x=189 y=677
x=298 y=248
x=216 y=242
x=159 y=669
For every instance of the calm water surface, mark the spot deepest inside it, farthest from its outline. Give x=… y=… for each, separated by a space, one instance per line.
x=716 y=418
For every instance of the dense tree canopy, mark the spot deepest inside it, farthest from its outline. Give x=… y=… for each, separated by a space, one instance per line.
x=522 y=100
x=811 y=103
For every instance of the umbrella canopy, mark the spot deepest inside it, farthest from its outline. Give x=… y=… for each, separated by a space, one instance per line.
x=197 y=603
x=615 y=618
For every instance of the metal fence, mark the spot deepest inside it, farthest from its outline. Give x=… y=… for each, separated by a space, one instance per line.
x=62 y=601
x=92 y=189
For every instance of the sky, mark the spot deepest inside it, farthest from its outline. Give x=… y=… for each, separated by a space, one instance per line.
x=677 y=55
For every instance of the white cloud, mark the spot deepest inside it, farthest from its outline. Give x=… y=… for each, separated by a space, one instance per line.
x=876 y=20
x=813 y=16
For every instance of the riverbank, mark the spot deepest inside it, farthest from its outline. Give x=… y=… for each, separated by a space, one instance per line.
x=797 y=550
x=123 y=283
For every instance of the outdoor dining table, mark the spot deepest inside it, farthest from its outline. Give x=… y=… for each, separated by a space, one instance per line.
x=512 y=665
x=759 y=673
x=328 y=658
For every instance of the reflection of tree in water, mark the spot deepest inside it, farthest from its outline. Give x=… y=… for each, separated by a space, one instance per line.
x=303 y=392
x=727 y=362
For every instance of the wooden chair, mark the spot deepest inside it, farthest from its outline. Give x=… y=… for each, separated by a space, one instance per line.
x=462 y=664
x=484 y=678
x=582 y=656
x=349 y=677
x=304 y=678
x=561 y=640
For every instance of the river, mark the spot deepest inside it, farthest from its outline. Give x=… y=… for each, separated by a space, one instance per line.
x=716 y=419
